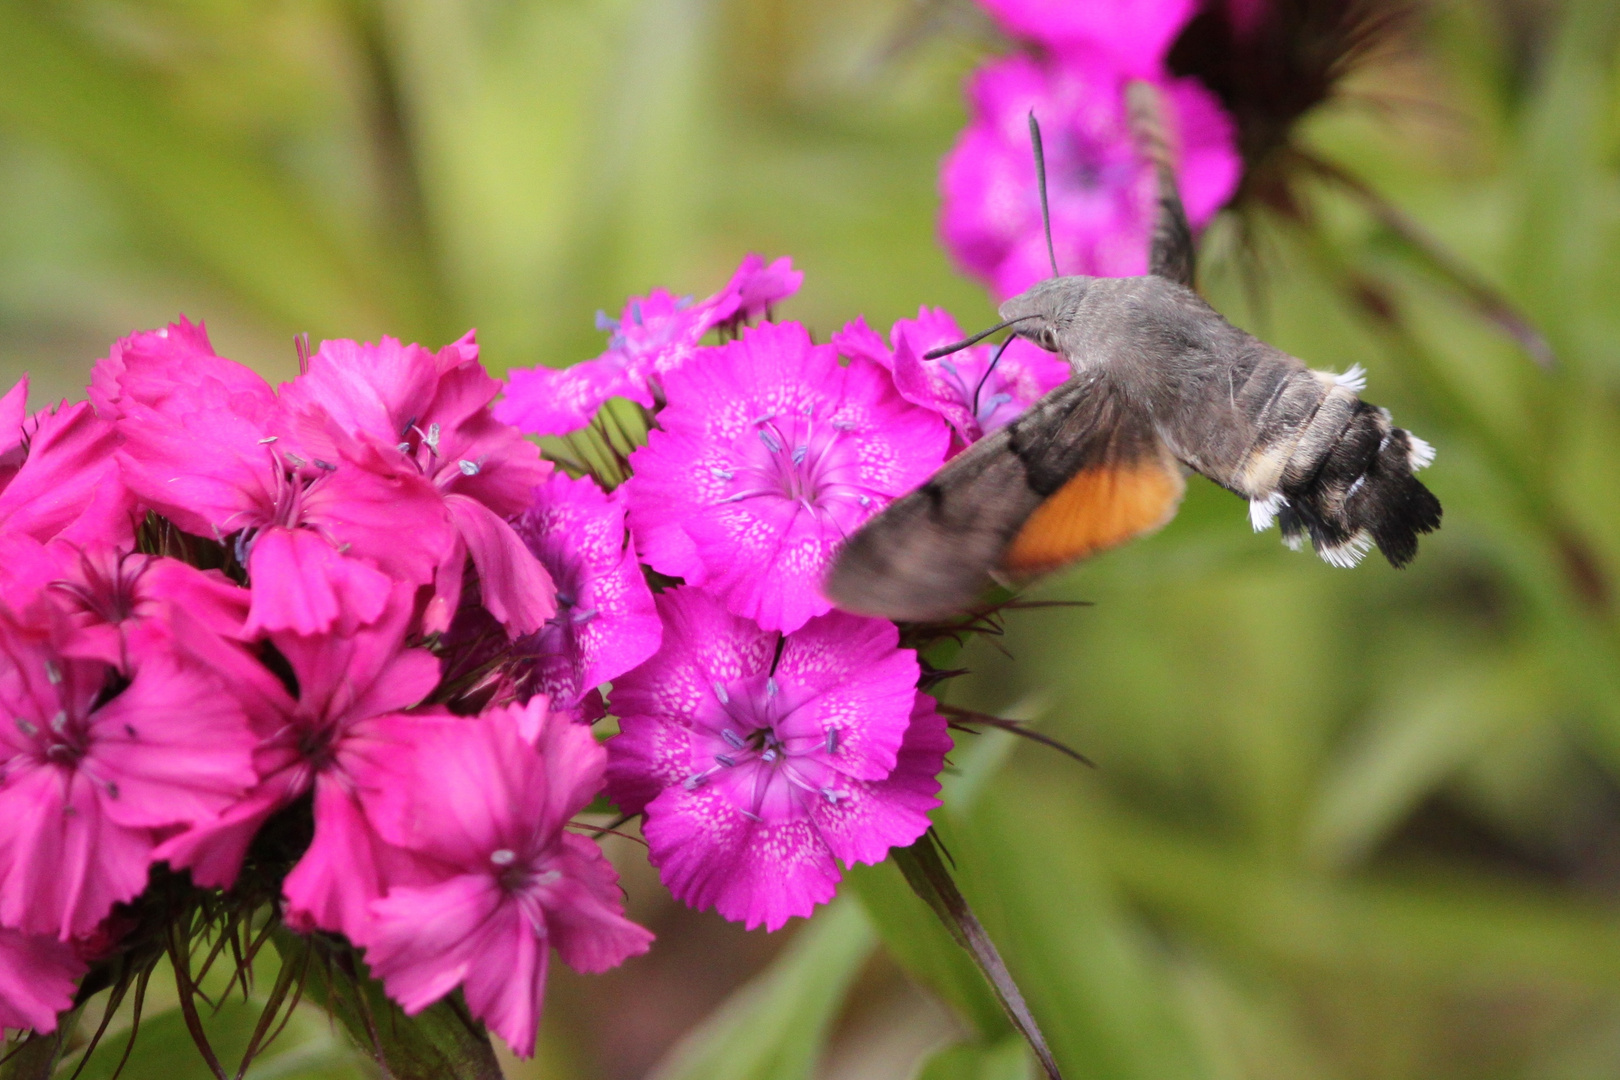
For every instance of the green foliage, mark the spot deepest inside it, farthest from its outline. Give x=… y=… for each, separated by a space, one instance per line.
x=1346 y=824
x=775 y=1027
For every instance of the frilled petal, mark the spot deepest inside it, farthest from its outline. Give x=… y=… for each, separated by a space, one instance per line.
x=892 y=812
x=851 y=676
x=768 y=455
x=512 y=583
x=364 y=672
x=63 y=862
x=710 y=854
x=37 y=976
x=173 y=748
x=428 y=940
x=302 y=584
x=68 y=480
x=547 y=401
x=605 y=622
x=586 y=920
x=373 y=499
x=342 y=871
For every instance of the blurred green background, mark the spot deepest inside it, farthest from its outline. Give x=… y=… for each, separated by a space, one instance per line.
x=1346 y=824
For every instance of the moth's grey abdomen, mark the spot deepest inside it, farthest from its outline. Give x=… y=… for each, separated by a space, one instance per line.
x=1347 y=482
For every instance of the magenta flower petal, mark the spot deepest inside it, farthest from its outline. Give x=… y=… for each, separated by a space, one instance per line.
x=13 y=411
x=513 y=584
x=344 y=869
x=1102 y=191
x=481 y=800
x=605 y=623
x=550 y=401
x=768 y=455
x=892 y=812
x=64 y=481
x=172 y=350
x=89 y=778
x=301 y=583
x=1136 y=33
x=655 y=335
x=710 y=854
x=37 y=976
x=759 y=287
x=738 y=764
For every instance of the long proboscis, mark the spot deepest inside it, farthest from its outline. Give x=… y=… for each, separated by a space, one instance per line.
x=946 y=350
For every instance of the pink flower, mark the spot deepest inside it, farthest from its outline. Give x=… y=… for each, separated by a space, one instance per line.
x=768 y=455
x=757 y=768
x=656 y=334
x=605 y=622
x=963 y=388
x=1135 y=33
x=37 y=976
x=1101 y=189
x=487 y=800
x=353 y=690
x=89 y=772
x=434 y=409
x=57 y=474
x=207 y=445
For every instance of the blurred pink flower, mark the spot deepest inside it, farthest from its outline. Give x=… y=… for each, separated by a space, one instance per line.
x=971 y=396
x=605 y=622
x=656 y=334
x=57 y=474
x=435 y=410
x=37 y=976
x=759 y=759
x=1135 y=34
x=1101 y=189
x=767 y=457
x=487 y=800
x=92 y=768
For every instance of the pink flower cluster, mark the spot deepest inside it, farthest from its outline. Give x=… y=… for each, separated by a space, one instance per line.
x=224 y=606
x=341 y=641
x=766 y=738
x=1072 y=72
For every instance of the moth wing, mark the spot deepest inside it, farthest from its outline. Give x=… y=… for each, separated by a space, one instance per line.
x=1077 y=473
x=1171 y=253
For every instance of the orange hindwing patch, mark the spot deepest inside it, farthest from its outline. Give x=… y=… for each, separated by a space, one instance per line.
x=1100 y=508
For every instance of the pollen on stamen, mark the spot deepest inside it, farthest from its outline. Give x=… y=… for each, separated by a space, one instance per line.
x=733 y=740
x=503 y=856
x=771 y=442
x=59 y=722
x=720 y=692
x=26 y=728
x=468 y=468
x=832 y=740
x=725 y=759
x=770 y=686
x=53 y=674
x=267 y=440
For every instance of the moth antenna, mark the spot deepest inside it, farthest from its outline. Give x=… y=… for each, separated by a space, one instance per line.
x=994 y=360
x=1040 y=182
x=946 y=350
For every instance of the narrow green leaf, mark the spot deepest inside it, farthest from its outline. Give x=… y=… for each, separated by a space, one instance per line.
x=774 y=1027
x=922 y=946
x=1005 y=1060
x=926 y=874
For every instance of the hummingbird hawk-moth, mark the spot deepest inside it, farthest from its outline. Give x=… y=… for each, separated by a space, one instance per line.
x=1162 y=383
